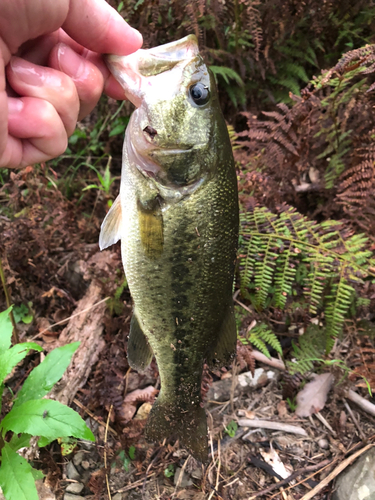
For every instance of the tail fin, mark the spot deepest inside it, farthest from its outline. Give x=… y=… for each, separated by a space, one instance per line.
x=187 y=422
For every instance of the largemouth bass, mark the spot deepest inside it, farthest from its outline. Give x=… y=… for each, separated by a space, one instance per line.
x=177 y=218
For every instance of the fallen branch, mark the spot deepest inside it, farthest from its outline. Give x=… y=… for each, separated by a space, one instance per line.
x=276 y=426
x=311 y=494
x=276 y=363
x=361 y=402
x=309 y=468
x=86 y=325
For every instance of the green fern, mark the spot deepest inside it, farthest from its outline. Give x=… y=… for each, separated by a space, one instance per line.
x=273 y=247
x=310 y=348
x=261 y=335
x=236 y=93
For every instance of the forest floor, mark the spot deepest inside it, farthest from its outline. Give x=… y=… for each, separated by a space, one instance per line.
x=55 y=272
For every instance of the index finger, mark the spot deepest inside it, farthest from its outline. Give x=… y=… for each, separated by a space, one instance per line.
x=97 y=26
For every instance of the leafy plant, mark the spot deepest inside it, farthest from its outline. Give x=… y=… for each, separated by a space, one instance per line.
x=274 y=246
x=169 y=471
x=292 y=403
x=231 y=428
x=105 y=180
x=31 y=415
x=261 y=335
x=23 y=313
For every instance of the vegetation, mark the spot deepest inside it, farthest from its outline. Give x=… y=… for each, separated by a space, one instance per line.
x=30 y=414
x=296 y=84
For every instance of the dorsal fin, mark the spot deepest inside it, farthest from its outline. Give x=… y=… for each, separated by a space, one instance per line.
x=110 y=231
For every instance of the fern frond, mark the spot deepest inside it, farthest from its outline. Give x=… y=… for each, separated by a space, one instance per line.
x=261 y=335
x=274 y=246
x=307 y=350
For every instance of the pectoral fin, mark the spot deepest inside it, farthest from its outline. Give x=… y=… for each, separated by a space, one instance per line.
x=224 y=348
x=151 y=229
x=139 y=350
x=110 y=231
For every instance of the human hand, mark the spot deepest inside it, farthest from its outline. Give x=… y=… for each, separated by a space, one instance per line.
x=51 y=71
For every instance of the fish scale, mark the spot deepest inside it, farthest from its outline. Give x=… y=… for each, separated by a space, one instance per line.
x=177 y=218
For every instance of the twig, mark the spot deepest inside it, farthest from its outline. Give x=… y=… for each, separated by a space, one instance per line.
x=324 y=422
x=90 y=414
x=311 y=494
x=158 y=453
x=134 y=485
x=243 y=305
x=214 y=490
x=276 y=426
x=179 y=480
x=355 y=421
x=9 y=303
x=274 y=362
x=68 y=319
x=105 y=453
x=361 y=402
x=299 y=472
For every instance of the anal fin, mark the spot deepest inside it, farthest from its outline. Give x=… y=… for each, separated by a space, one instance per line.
x=110 y=231
x=139 y=350
x=223 y=350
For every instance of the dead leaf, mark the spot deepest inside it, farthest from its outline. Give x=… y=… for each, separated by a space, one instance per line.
x=282 y=409
x=313 y=396
x=126 y=412
x=147 y=394
x=272 y=458
x=143 y=411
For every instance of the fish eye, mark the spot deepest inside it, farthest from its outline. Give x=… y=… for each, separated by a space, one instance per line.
x=199 y=93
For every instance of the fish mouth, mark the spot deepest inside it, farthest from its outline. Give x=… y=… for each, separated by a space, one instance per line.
x=135 y=71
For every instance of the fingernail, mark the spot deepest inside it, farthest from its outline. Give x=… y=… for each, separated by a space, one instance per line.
x=14 y=105
x=70 y=62
x=27 y=72
x=138 y=35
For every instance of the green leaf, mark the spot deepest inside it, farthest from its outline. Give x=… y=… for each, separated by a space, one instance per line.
x=227 y=73
x=22 y=313
x=37 y=474
x=132 y=452
x=42 y=379
x=169 y=471
x=6 y=329
x=118 y=129
x=22 y=441
x=10 y=358
x=16 y=476
x=231 y=428
x=46 y=418
x=91 y=186
x=27 y=319
x=42 y=442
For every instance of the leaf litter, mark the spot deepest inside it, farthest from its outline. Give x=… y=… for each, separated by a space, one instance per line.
x=50 y=257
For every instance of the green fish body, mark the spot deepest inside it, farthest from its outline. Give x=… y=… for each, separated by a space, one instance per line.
x=177 y=218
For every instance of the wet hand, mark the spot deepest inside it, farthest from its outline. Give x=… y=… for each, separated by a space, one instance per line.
x=51 y=72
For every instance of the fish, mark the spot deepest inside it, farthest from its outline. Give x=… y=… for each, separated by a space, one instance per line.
x=177 y=218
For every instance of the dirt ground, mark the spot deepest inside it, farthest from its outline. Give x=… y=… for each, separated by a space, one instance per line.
x=52 y=263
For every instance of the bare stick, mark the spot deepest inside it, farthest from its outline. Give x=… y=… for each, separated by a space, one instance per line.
x=105 y=453
x=274 y=362
x=276 y=426
x=311 y=494
x=361 y=402
x=68 y=319
x=90 y=414
x=363 y=437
